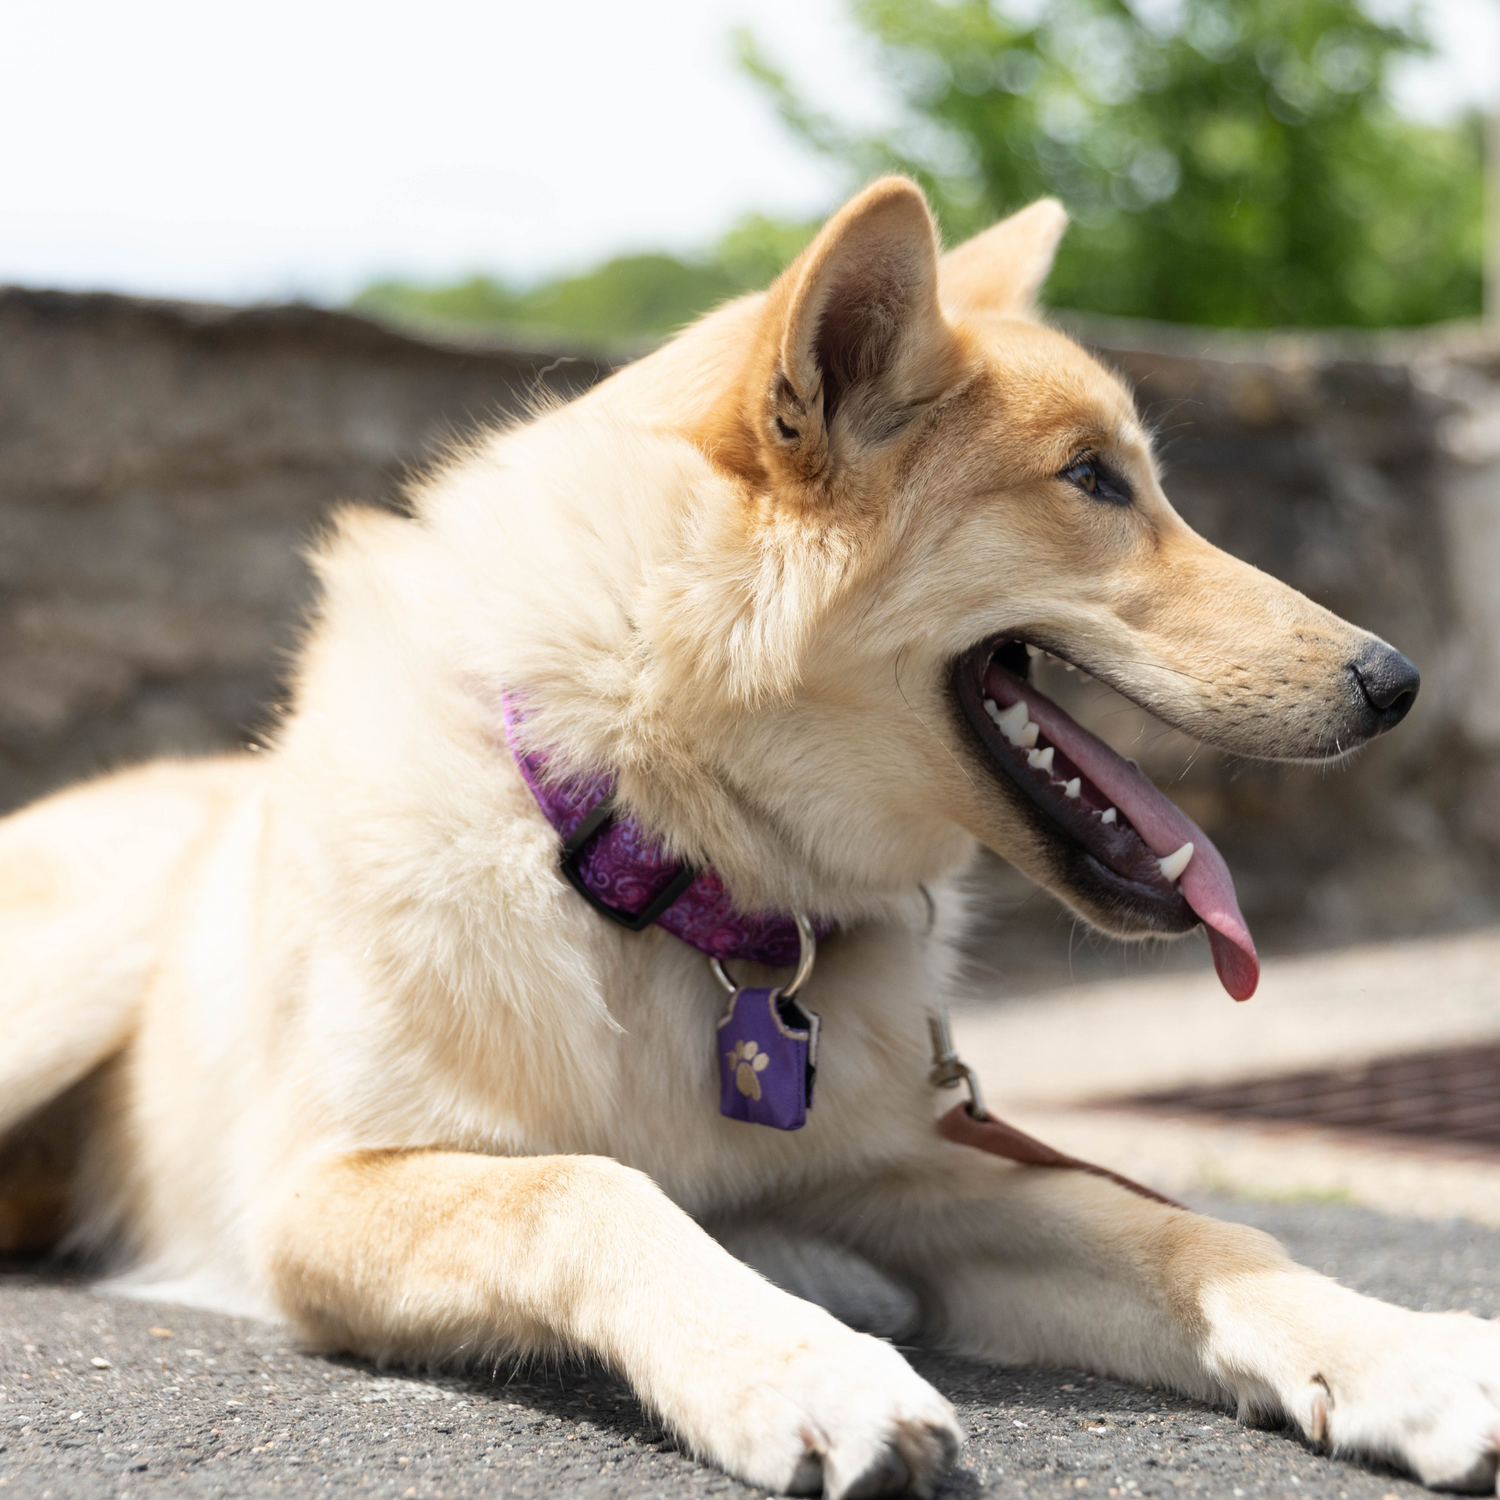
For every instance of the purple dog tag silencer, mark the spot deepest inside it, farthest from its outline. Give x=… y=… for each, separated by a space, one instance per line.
x=768 y=1054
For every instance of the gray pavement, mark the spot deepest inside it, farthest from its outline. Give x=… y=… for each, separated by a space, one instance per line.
x=97 y=1400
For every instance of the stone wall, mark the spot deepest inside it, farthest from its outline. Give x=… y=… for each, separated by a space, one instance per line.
x=162 y=465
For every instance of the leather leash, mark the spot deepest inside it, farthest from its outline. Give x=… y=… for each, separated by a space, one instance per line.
x=970 y=1124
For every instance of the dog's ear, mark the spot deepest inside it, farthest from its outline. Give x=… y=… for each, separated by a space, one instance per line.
x=859 y=336
x=1001 y=270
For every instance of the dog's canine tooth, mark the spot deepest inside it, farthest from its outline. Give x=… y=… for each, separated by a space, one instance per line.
x=1040 y=760
x=1109 y=816
x=1073 y=788
x=1175 y=863
x=1033 y=651
x=1012 y=723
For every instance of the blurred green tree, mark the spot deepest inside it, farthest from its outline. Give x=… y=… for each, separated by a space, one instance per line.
x=629 y=298
x=1234 y=162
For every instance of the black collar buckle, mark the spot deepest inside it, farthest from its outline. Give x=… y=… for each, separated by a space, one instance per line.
x=593 y=826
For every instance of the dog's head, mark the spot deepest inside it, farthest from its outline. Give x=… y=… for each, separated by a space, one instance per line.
x=787 y=575
x=930 y=486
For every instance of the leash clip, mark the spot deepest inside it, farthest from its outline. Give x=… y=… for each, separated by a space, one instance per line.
x=948 y=1068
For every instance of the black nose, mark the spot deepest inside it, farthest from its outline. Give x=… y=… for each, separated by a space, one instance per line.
x=1389 y=682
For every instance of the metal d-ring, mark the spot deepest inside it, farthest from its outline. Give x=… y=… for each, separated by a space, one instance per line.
x=808 y=950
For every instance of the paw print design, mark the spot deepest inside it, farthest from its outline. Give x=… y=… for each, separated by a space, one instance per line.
x=747 y=1060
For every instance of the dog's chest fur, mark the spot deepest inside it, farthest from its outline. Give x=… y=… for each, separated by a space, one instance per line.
x=553 y=1032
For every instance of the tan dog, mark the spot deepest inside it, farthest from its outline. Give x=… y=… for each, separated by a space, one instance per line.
x=356 y=1052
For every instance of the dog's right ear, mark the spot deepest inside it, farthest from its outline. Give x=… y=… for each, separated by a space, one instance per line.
x=1001 y=270
x=858 y=337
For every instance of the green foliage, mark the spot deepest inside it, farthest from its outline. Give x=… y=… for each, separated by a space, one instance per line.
x=758 y=249
x=630 y=297
x=1234 y=162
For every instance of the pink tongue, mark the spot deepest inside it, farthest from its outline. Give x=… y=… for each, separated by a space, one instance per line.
x=1206 y=883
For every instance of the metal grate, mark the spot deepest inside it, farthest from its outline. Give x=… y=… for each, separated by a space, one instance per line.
x=1445 y=1097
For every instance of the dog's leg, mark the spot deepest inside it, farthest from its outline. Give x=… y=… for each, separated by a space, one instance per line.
x=86 y=885
x=440 y=1255
x=1030 y=1265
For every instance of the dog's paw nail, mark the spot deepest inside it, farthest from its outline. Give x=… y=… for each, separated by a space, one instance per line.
x=928 y=1453
x=807 y=1477
x=1317 y=1418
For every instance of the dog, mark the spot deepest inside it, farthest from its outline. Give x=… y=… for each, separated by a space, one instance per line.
x=350 y=1031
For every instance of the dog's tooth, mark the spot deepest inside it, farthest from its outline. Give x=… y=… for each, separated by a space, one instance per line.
x=1174 y=864
x=992 y=709
x=1109 y=815
x=1073 y=787
x=1130 y=760
x=1027 y=738
x=1013 y=721
x=1040 y=760
x=1033 y=651
x=1069 y=667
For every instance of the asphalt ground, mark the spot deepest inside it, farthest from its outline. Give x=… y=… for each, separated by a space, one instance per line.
x=110 y=1397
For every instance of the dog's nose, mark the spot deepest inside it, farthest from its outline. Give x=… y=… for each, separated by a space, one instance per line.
x=1389 y=682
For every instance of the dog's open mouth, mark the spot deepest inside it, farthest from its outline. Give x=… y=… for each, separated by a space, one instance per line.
x=1135 y=843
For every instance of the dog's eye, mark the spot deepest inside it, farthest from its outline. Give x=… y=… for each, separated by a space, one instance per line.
x=1091 y=476
x=1084 y=474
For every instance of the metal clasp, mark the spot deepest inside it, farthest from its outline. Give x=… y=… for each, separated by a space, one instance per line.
x=807 y=944
x=948 y=1068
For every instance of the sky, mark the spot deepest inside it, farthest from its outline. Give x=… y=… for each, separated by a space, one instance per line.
x=301 y=148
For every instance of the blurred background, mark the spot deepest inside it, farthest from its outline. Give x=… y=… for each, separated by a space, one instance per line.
x=262 y=262
x=605 y=171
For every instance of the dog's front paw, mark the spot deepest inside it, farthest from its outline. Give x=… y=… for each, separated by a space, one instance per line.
x=1419 y=1389
x=826 y=1410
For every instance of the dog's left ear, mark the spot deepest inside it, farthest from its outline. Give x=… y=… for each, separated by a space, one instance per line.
x=862 y=338
x=1001 y=270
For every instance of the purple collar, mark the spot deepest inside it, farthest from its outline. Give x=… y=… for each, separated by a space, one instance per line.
x=623 y=873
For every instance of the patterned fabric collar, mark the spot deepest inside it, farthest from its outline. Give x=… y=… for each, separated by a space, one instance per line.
x=624 y=874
